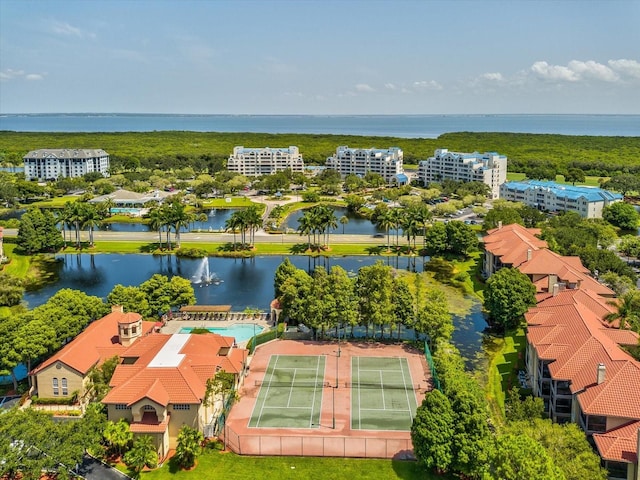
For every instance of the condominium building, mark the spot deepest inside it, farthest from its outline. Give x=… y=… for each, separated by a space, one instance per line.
x=489 y=168
x=53 y=164
x=253 y=162
x=360 y=161
x=575 y=359
x=554 y=197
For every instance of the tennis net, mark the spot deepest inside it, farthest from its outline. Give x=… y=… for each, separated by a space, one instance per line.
x=296 y=384
x=361 y=385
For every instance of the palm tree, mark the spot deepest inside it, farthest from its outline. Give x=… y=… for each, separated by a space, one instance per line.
x=232 y=224
x=75 y=217
x=305 y=227
x=180 y=217
x=62 y=217
x=108 y=204
x=385 y=221
x=253 y=221
x=343 y=221
x=627 y=312
x=156 y=222
x=327 y=220
x=397 y=215
x=91 y=219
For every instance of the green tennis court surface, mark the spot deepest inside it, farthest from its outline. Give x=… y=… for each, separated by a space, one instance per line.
x=290 y=395
x=382 y=394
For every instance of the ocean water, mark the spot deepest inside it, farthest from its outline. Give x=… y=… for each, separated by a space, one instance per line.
x=404 y=126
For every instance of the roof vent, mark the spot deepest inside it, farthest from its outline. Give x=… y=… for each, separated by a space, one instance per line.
x=601 y=373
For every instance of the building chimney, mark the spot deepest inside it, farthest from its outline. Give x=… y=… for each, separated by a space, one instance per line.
x=529 y=254
x=117 y=309
x=499 y=224
x=556 y=289
x=552 y=281
x=601 y=372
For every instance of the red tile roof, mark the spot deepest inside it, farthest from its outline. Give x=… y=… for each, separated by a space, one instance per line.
x=511 y=243
x=98 y=342
x=617 y=396
x=619 y=444
x=183 y=383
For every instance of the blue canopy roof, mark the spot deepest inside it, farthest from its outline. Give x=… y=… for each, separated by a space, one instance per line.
x=592 y=194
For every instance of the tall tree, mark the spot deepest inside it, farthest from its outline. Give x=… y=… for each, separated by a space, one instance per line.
x=507 y=296
x=374 y=288
x=284 y=271
x=432 y=432
x=622 y=215
x=518 y=456
x=118 y=436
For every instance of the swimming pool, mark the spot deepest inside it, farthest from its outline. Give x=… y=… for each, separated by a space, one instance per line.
x=134 y=211
x=240 y=331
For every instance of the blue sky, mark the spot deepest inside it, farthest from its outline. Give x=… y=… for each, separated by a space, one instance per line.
x=320 y=57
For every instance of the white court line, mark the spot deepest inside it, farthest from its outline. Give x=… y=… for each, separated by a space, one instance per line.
x=384 y=404
x=315 y=388
x=406 y=392
x=266 y=393
x=287 y=408
x=293 y=381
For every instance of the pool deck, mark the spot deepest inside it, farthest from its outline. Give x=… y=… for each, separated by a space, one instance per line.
x=233 y=318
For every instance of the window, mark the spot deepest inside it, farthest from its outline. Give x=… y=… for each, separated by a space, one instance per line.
x=65 y=391
x=149 y=408
x=181 y=406
x=55 y=386
x=121 y=406
x=597 y=423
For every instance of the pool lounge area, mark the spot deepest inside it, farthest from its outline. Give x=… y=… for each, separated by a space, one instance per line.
x=242 y=332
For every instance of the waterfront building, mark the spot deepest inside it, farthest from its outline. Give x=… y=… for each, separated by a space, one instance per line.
x=53 y=164
x=159 y=383
x=360 y=161
x=554 y=197
x=575 y=359
x=489 y=168
x=253 y=162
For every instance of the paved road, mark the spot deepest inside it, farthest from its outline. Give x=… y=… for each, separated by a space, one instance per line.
x=93 y=469
x=211 y=237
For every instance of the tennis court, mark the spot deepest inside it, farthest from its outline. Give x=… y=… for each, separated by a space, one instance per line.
x=290 y=394
x=382 y=394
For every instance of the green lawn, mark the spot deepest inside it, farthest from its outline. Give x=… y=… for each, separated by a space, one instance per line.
x=18 y=265
x=228 y=466
x=588 y=181
x=506 y=357
x=56 y=202
x=231 y=202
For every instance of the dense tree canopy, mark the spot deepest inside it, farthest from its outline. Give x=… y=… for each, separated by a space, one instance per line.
x=622 y=215
x=432 y=432
x=507 y=296
x=38 y=232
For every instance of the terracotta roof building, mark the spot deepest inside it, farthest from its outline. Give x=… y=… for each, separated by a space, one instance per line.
x=575 y=364
x=574 y=359
x=66 y=372
x=160 y=384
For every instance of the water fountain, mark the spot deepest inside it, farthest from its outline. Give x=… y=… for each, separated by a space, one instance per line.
x=204 y=276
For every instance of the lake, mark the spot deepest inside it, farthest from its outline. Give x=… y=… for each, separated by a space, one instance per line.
x=242 y=282
x=356 y=225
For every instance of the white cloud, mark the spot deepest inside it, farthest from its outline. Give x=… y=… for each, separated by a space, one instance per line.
x=10 y=74
x=629 y=68
x=390 y=86
x=427 y=85
x=494 y=76
x=67 y=30
x=363 y=87
x=554 y=72
x=591 y=69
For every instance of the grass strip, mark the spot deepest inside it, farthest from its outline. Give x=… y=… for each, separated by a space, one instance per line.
x=213 y=465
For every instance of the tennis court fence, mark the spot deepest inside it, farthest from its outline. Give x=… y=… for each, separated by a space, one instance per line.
x=318 y=446
x=361 y=385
